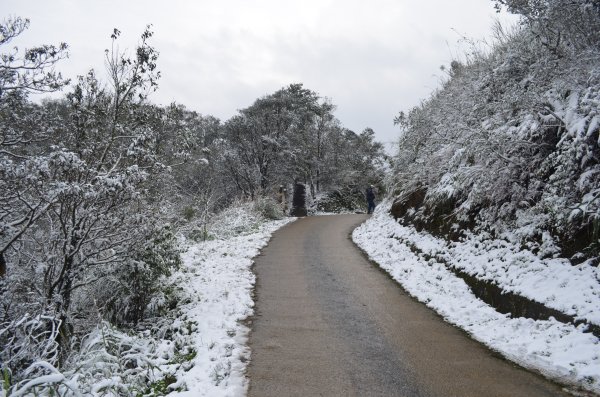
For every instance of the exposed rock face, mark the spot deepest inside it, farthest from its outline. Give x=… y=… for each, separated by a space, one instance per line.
x=413 y=200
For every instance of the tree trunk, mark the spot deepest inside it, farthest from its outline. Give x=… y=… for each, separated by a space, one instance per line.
x=63 y=338
x=66 y=328
x=264 y=181
x=318 y=180
x=2 y=265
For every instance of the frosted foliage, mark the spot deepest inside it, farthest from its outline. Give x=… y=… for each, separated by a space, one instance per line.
x=292 y=135
x=512 y=134
x=560 y=25
x=198 y=348
x=238 y=219
x=28 y=340
x=76 y=207
x=109 y=363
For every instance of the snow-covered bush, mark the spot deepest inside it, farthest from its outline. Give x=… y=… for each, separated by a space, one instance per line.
x=560 y=25
x=26 y=341
x=510 y=142
x=109 y=363
x=239 y=219
x=145 y=272
x=80 y=180
x=348 y=198
x=268 y=208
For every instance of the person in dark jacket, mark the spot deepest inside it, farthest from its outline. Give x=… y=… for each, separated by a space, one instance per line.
x=370 y=200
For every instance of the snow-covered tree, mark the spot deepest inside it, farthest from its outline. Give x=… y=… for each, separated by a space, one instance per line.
x=31 y=70
x=292 y=135
x=510 y=140
x=561 y=26
x=22 y=126
x=84 y=196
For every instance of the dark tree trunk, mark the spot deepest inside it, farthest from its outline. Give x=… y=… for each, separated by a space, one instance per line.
x=63 y=338
x=318 y=180
x=2 y=265
x=66 y=328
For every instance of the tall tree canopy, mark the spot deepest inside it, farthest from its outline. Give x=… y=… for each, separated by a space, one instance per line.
x=292 y=135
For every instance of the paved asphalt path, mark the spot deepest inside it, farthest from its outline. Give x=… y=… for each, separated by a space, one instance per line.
x=330 y=323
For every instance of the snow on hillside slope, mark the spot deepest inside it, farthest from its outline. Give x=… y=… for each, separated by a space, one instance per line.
x=561 y=351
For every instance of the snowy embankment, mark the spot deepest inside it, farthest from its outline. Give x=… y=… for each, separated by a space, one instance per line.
x=560 y=351
x=218 y=280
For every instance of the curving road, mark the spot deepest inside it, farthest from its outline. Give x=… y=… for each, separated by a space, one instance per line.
x=329 y=323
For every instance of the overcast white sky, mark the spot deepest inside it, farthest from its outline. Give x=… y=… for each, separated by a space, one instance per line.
x=372 y=58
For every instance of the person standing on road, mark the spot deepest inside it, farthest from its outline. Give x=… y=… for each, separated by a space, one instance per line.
x=370 y=200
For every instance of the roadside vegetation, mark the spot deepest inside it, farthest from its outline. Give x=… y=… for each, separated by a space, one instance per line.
x=99 y=191
x=509 y=143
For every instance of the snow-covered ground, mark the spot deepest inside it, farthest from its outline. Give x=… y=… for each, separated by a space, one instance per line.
x=560 y=351
x=198 y=348
x=205 y=351
x=218 y=279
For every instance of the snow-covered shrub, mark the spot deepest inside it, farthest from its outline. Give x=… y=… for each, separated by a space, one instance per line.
x=26 y=341
x=510 y=142
x=268 y=208
x=109 y=363
x=241 y=218
x=129 y=302
x=188 y=213
x=348 y=198
x=560 y=25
